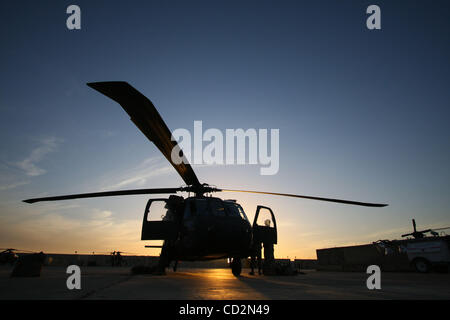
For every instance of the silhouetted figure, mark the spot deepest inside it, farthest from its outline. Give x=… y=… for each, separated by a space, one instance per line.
x=269 y=258
x=268 y=251
x=256 y=257
x=113 y=259
x=118 y=259
x=170 y=215
x=173 y=213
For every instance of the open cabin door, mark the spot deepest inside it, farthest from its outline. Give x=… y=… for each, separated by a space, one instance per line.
x=266 y=232
x=165 y=228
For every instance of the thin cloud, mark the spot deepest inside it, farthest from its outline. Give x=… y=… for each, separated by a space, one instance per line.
x=46 y=146
x=138 y=176
x=107 y=134
x=13 y=185
x=101 y=214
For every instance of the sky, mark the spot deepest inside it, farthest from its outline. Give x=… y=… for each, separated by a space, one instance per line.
x=362 y=115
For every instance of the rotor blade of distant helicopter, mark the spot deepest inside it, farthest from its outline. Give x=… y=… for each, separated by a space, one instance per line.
x=366 y=204
x=106 y=194
x=145 y=116
x=440 y=228
x=25 y=251
x=408 y=234
x=17 y=250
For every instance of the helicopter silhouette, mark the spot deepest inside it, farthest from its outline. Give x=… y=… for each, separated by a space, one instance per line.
x=421 y=234
x=199 y=227
x=116 y=257
x=9 y=255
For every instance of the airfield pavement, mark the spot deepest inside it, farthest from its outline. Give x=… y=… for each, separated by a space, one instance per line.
x=192 y=284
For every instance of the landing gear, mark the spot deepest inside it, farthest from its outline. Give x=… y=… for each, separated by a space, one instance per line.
x=164 y=260
x=236 y=267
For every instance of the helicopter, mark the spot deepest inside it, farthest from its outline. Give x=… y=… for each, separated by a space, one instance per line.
x=9 y=255
x=117 y=258
x=199 y=227
x=421 y=234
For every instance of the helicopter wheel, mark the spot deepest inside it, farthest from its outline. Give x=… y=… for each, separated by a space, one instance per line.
x=422 y=265
x=236 y=267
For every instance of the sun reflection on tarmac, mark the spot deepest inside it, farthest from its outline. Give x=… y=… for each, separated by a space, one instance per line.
x=220 y=284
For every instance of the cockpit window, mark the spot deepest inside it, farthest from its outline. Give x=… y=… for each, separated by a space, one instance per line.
x=213 y=207
x=241 y=211
x=204 y=207
x=235 y=210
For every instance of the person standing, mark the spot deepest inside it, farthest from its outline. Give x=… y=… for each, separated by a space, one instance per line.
x=256 y=257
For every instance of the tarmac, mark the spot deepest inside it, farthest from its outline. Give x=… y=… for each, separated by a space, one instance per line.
x=100 y=283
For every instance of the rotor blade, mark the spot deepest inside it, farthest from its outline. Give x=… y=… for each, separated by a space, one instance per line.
x=29 y=251
x=408 y=234
x=441 y=228
x=366 y=204
x=105 y=194
x=428 y=230
x=145 y=116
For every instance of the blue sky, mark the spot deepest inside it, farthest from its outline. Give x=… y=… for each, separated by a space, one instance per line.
x=362 y=114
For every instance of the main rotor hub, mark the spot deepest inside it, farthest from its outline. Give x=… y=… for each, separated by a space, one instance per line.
x=200 y=189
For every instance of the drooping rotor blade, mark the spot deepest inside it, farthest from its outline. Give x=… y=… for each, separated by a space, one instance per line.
x=366 y=204
x=28 y=251
x=145 y=116
x=407 y=234
x=17 y=250
x=106 y=194
x=440 y=228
